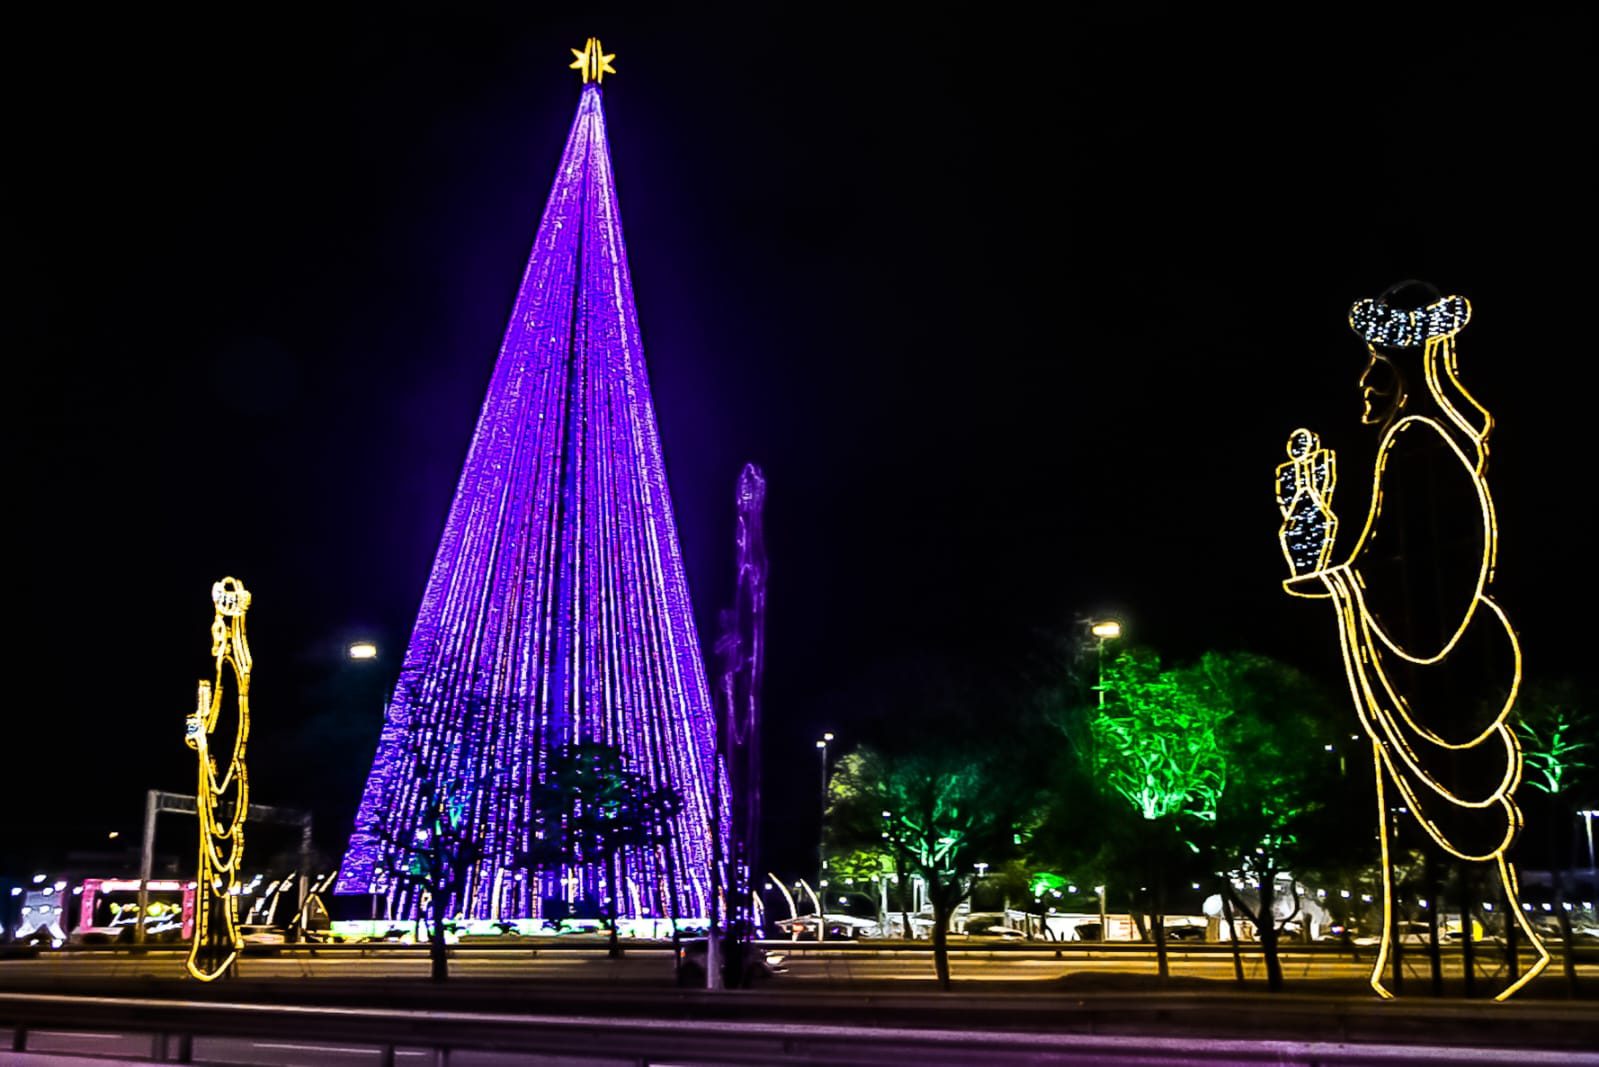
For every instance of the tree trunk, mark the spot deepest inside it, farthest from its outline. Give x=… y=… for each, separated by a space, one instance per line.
x=615 y=951
x=1157 y=920
x=1396 y=929
x=1562 y=864
x=904 y=893
x=1232 y=932
x=1434 y=952
x=1512 y=932
x=1266 y=885
x=1468 y=949
x=674 y=904
x=438 y=951
x=940 y=934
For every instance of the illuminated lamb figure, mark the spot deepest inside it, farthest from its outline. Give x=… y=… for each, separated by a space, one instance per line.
x=220 y=801
x=1419 y=667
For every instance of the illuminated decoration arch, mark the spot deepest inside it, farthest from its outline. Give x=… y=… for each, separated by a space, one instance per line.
x=221 y=799
x=1475 y=821
x=557 y=611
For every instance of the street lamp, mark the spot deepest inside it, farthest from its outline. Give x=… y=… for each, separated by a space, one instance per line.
x=1104 y=630
x=362 y=650
x=1588 y=818
x=821 y=833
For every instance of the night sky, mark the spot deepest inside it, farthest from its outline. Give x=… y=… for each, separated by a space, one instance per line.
x=1016 y=317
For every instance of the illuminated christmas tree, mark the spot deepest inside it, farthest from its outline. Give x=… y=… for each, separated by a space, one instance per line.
x=557 y=611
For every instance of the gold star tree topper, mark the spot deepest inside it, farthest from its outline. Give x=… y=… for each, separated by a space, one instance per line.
x=592 y=62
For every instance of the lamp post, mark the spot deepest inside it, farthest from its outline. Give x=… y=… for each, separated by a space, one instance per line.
x=1587 y=817
x=1104 y=630
x=821 y=833
x=364 y=651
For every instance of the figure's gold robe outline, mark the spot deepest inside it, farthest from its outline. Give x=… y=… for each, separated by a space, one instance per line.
x=1383 y=710
x=221 y=840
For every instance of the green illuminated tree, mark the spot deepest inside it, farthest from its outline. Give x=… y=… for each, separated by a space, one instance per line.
x=1156 y=746
x=1280 y=810
x=1556 y=727
x=1066 y=842
x=937 y=812
x=1556 y=734
x=867 y=868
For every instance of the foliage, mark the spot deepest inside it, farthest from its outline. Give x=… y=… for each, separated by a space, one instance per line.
x=937 y=812
x=1556 y=728
x=1156 y=739
x=1277 y=741
x=433 y=859
x=861 y=864
x=1280 y=809
x=1556 y=733
x=589 y=807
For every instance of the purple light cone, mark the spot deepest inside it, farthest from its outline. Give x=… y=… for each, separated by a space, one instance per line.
x=557 y=609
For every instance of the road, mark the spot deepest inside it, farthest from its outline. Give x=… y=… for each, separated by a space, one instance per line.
x=805 y=965
x=846 y=1005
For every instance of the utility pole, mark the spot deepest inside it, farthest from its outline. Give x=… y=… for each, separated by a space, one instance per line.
x=821 y=845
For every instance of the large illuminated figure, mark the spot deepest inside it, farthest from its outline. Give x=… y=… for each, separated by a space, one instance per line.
x=557 y=611
x=222 y=792
x=1432 y=661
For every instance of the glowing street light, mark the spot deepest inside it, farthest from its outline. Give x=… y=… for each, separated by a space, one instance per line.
x=1103 y=630
x=362 y=650
x=821 y=835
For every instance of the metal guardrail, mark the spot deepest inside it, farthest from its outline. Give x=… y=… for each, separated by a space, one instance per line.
x=181 y=1031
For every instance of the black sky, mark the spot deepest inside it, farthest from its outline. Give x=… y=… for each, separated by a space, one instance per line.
x=1016 y=317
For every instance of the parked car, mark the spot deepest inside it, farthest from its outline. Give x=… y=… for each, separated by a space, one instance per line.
x=839 y=927
x=262 y=934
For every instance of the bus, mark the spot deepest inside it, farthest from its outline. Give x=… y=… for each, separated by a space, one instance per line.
x=108 y=911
